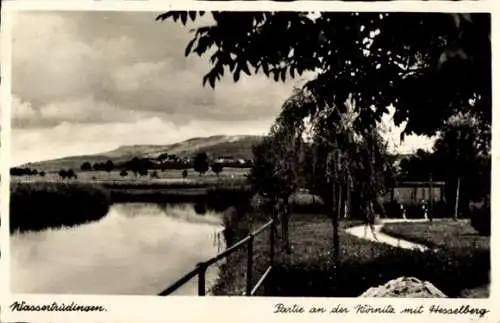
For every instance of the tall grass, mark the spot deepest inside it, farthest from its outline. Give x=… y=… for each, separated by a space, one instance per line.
x=38 y=206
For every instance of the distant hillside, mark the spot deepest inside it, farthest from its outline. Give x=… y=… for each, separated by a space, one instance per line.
x=236 y=146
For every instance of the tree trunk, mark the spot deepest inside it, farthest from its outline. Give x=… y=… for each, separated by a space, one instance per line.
x=286 y=237
x=457 y=197
x=431 y=199
x=335 y=226
x=336 y=237
x=347 y=199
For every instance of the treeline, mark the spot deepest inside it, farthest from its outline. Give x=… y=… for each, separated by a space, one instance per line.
x=19 y=171
x=201 y=163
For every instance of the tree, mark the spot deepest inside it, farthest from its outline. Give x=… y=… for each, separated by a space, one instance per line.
x=325 y=154
x=201 y=163
x=98 y=166
x=142 y=171
x=71 y=174
x=184 y=173
x=86 y=167
x=427 y=66
x=22 y=171
x=63 y=174
x=139 y=166
x=217 y=168
x=276 y=171
x=109 y=166
x=463 y=149
x=163 y=156
x=419 y=166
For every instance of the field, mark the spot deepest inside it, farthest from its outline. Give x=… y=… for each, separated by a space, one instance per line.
x=167 y=176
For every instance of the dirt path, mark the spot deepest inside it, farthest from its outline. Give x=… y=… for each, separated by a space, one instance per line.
x=364 y=232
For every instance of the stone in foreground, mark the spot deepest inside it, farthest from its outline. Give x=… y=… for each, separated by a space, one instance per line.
x=409 y=287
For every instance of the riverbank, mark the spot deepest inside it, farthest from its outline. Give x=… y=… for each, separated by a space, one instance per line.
x=39 y=205
x=308 y=270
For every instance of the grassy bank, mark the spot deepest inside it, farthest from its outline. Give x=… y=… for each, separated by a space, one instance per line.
x=37 y=206
x=444 y=233
x=232 y=274
x=308 y=270
x=457 y=238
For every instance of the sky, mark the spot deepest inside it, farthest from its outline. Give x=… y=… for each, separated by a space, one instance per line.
x=88 y=82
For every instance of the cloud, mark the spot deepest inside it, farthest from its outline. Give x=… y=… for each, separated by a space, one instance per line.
x=127 y=61
x=87 y=82
x=22 y=111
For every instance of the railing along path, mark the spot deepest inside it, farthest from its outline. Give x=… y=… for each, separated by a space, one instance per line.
x=201 y=268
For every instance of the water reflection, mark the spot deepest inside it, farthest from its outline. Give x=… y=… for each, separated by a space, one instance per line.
x=136 y=249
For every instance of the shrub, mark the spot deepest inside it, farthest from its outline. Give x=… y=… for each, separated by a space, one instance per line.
x=37 y=206
x=480 y=216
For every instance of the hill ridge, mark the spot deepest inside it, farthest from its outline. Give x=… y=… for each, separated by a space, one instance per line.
x=238 y=146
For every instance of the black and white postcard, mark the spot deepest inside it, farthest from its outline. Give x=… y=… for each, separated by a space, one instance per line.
x=308 y=162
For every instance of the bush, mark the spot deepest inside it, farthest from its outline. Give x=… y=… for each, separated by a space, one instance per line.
x=38 y=206
x=480 y=216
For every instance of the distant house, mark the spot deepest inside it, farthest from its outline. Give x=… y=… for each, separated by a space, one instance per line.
x=415 y=192
x=165 y=157
x=226 y=160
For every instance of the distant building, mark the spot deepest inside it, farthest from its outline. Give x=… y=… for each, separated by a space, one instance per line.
x=415 y=192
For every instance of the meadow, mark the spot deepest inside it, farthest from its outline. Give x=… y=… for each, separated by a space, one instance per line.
x=168 y=176
x=458 y=272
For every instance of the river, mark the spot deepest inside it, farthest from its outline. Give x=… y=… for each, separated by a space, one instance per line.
x=136 y=249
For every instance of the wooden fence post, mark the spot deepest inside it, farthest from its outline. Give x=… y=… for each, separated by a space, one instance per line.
x=271 y=241
x=249 y=265
x=201 y=278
